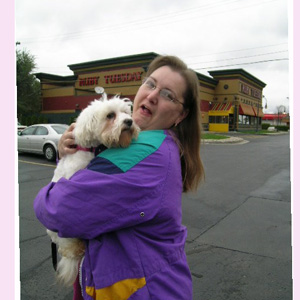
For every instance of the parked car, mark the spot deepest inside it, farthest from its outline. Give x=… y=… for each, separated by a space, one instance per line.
x=21 y=127
x=41 y=139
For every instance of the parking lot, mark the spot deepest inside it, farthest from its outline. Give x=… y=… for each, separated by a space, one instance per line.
x=239 y=224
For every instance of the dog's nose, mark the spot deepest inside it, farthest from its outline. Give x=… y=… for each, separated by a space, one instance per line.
x=128 y=122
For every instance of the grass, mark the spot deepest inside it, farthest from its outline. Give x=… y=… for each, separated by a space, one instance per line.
x=211 y=136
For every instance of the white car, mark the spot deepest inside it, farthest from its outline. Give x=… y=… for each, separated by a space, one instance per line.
x=21 y=127
x=41 y=139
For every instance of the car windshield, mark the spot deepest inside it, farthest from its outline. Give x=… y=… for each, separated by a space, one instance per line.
x=60 y=129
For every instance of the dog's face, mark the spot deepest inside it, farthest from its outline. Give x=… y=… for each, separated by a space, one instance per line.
x=106 y=122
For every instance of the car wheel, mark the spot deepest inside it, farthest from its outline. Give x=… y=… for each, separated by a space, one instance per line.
x=50 y=153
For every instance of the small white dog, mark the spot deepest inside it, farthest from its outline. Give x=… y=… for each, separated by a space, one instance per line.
x=103 y=122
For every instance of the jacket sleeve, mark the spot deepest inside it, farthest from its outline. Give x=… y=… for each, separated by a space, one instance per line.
x=92 y=203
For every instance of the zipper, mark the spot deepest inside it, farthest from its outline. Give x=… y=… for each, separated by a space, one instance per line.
x=80 y=275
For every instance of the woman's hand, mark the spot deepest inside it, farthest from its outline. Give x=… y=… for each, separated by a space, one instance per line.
x=66 y=144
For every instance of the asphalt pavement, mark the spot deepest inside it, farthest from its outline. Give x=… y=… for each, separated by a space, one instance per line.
x=239 y=224
x=239 y=242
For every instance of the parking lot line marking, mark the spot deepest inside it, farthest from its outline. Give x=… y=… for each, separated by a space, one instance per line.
x=33 y=163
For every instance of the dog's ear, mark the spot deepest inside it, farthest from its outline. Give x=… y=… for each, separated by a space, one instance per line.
x=129 y=103
x=85 y=125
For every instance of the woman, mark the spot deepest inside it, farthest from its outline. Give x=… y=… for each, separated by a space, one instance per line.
x=126 y=205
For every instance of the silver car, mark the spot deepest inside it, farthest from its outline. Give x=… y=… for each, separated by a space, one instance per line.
x=21 y=127
x=41 y=139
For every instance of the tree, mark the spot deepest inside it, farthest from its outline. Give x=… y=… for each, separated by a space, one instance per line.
x=28 y=87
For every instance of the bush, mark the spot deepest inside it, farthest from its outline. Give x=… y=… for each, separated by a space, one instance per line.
x=265 y=126
x=35 y=119
x=72 y=119
x=282 y=127
x=42 y=120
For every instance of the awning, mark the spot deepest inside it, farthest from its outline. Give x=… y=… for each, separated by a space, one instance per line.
x=272 y=117
x=221 y=106
x=245 y=109
x=260 y=112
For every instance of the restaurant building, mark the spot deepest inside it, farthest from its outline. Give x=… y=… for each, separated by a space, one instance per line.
x=231 y=100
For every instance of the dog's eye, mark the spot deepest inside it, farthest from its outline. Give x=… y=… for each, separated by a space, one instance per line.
x=111 y=116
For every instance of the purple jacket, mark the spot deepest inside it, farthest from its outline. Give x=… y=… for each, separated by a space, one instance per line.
x=127 y=207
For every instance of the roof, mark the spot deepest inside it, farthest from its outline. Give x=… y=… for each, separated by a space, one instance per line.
x=57 y=79
x=240 y=72
x=207 y=79
x=147 y=57
x=116 y=60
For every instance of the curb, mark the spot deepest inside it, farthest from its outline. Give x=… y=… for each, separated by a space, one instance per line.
x=236 y=140
x=229 y=140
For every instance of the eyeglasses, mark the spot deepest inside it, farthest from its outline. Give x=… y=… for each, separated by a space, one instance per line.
x=166 y=94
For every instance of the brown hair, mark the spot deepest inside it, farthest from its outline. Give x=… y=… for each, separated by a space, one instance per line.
x=188 y=131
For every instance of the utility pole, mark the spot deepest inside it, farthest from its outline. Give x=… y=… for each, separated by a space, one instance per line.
x=278 y=110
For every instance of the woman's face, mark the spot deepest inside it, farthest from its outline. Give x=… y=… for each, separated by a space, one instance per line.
x=152 y=109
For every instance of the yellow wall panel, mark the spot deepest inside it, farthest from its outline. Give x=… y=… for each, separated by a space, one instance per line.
x=219 y=127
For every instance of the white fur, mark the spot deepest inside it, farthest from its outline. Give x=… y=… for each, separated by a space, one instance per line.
x=102 y=122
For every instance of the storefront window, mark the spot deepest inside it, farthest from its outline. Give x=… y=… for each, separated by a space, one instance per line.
x=218 y=119
x=212 y=119
x=248 y=120
x=255 y=120
x=244 y=119
x=240 y=119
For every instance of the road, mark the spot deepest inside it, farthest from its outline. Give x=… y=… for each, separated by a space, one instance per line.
x=239 y=224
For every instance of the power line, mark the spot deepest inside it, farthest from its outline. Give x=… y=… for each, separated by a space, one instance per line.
x=237 y=50
x=134 y=22
x=139 y=21
x=204 y=68
x=155 y=21
x=246 y=63
x=241 y=57
x=192 y=64
x=226 y=59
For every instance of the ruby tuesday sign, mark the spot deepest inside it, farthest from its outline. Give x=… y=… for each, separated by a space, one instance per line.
x=111 y=79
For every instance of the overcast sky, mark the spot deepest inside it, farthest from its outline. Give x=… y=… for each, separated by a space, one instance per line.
x=206 y=34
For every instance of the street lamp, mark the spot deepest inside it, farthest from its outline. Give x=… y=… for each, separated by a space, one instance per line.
x=257 y=117
x=258 y=105
x=266 y=105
